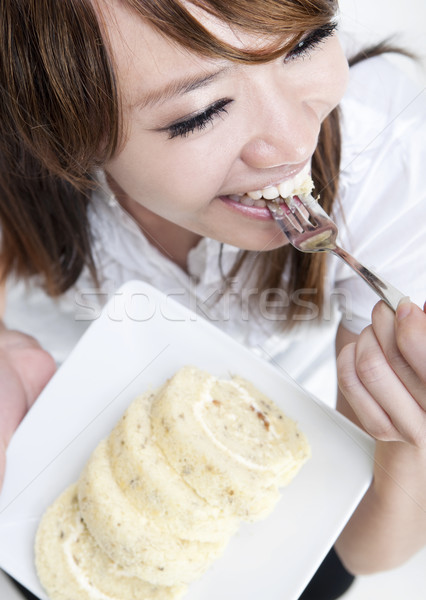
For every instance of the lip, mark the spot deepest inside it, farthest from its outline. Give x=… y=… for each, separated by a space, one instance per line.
x=254 y=212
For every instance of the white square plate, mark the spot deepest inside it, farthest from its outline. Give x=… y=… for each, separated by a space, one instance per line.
x=141 y=338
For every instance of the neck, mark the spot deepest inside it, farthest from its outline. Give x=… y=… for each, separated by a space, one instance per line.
x=170 y=239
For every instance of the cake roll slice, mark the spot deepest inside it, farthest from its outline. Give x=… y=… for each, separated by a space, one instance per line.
x=139 y=544
x=155 y=489
x=227 y=440
x=71 y=565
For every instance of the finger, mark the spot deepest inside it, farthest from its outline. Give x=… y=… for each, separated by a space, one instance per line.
x=384 y=327
x=36 y=367
x=371 y=415
x=411 y=336
x=13 y=404
x=382 y=383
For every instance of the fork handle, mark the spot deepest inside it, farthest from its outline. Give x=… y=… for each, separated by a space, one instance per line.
x=383 y=289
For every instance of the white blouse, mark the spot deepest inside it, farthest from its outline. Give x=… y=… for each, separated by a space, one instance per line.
x=381 y=222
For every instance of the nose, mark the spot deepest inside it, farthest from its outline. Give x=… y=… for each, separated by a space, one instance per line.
x=284 y=130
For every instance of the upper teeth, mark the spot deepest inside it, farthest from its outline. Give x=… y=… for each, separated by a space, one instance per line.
x=299 y=184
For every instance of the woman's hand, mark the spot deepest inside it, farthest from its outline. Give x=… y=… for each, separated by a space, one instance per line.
x=382 y=380
x=383 y=375
x=25 y=368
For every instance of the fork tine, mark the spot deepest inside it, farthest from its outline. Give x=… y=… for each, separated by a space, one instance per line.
x=303 y=216
x=299 y=215
x=288 y=221
x=294 y=219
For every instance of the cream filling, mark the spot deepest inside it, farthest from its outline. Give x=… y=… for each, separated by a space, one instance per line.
x=206 y=398
x=299 y=185
x=79 y=575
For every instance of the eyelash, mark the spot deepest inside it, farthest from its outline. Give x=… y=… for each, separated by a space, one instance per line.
x=201 y=120
x=309 y=43
x=198 y=122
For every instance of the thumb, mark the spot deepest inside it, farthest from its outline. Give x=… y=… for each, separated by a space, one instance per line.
x=38 y=369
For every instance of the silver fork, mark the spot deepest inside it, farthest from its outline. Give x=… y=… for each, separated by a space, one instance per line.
x=309 y=229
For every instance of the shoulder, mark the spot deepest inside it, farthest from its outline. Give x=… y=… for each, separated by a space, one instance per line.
x=382 y=101
x=382 y=193
x=383 y=128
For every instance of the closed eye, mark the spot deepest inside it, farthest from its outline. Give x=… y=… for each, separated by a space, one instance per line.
x=199 y=121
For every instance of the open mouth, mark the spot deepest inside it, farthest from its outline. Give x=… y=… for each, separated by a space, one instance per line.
x=299 y=185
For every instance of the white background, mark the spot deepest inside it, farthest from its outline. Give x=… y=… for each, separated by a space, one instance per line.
x=373 y=20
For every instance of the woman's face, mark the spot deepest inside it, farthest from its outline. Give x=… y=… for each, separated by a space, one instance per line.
x=203 y=132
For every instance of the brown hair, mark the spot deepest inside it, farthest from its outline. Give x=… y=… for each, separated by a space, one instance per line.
x=60 y=120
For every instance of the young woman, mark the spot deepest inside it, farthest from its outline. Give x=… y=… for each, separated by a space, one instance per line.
x=139 y=139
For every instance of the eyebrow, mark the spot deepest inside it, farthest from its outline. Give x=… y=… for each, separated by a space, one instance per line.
x=177 y=88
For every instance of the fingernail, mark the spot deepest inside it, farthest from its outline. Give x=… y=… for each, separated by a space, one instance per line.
x=403 y=309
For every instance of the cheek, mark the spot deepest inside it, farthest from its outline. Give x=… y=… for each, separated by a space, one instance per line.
x=154 y=171
x=337 y=72
x=328 y=79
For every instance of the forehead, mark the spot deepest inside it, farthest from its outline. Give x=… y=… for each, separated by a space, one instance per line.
x=144 y=58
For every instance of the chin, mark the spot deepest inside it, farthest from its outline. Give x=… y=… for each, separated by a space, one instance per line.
x=259 y=244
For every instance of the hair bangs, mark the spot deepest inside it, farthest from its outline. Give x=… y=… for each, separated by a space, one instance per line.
x=279 y=24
